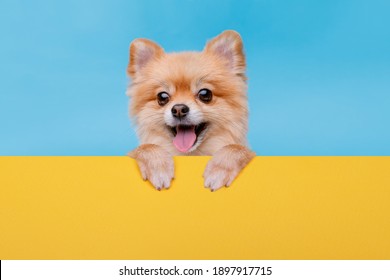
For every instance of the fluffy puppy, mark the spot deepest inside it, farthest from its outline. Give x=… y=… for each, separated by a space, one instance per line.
x=190 y=103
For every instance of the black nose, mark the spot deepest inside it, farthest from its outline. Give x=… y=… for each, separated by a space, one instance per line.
x=180 y=110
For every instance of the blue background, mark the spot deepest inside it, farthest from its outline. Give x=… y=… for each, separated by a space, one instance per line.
x=319 y=71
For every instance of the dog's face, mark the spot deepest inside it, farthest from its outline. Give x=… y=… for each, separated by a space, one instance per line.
x=190 y=102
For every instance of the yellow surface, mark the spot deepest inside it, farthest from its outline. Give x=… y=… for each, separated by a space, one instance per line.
x=279 y=208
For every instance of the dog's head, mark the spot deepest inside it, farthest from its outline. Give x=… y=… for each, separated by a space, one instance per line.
x=189 y=102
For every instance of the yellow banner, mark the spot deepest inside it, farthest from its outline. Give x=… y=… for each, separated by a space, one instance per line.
x=278 y=208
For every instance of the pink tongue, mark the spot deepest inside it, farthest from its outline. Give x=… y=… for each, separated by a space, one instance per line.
x=185 y=138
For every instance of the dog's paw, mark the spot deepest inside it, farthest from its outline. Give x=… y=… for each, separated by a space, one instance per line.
x=218 y=174
x=156 y=165
x=225 y=165
x=159 y=172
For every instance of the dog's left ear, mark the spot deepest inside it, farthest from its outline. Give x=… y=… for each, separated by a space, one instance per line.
x=142 y=51
x=228 y=46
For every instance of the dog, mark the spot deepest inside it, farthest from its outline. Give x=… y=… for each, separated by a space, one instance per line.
x=190 y=103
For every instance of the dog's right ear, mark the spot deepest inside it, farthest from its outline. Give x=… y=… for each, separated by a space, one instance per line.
x=142 y=51
x=228 y=46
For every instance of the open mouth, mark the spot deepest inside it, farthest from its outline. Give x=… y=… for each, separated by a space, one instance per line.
x=186 y=136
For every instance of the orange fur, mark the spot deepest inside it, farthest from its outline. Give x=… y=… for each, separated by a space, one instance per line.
x=220 y=67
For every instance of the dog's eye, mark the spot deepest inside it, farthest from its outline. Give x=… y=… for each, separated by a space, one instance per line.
x=205 y=95
x=162 y=98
